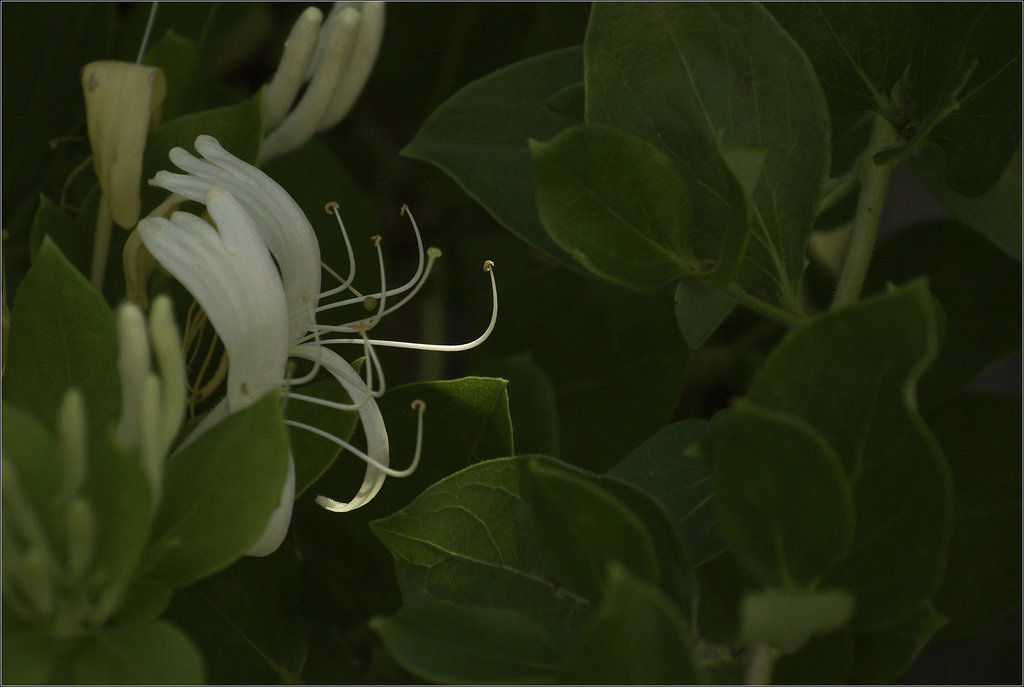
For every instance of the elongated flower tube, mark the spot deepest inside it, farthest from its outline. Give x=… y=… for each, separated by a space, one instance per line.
x=231 y=274
x=276 y=223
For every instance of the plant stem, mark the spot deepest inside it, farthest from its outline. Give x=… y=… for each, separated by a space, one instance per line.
x=759 y=306
x=762 y=661
x=874 y=182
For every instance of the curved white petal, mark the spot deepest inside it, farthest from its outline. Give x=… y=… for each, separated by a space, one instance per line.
x=277 y=526
x=377 y=446
x=232 y=276
x=281 y=224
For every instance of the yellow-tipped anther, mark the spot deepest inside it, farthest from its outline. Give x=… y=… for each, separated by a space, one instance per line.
x=488 y=264
x=419 y=405
x=376 y=239
x=403 y=210
x=433 y=252
x=331 y=207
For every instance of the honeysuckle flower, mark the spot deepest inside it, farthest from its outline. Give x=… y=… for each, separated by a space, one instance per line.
x=335 y=57
x=272 y=219
x=53 y=580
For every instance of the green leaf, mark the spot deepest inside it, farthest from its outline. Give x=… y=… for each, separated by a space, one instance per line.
x=979 y=289
x=700 y=310
x=219 y=491
x=448 y=643
x=982 y=134
x=466 y=421
x=615 y=358
x=981 y=436
x=692 y=77
x=51 y=221
x=239 y=128
x=29 y=653
x=784 y=504
x=635 y=636
x=62 y=335
x=859 y=51
x=996 y=214
x=631 y=229
x=884 y=655
x=787 y=619
x=680 y=482
x=479 y=138
x=581 y=529
x=148 y=654
x=468 y=541
x=181 y=62
x=247 y=620
x=531 y=401
x=847 y=375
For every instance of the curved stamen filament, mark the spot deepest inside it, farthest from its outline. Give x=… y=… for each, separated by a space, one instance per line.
x=488 y=267
x=416 y=280
x=417 y=405
x=332 y=208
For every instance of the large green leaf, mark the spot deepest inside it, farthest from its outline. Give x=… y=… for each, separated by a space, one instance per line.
x=995 y=215
x=150 y=654
x=631 y=228
x=981 y=135
x=51 y=221
x=783 y=498
x=62 y=335
x=979 y=288
x=693 y=78
x=679 y=482
x=981 y=436
x=581 y=529
x=635 y=636
x=181 y=62
x=218 y=493
x=468 y=541
x=851 y=375
x=526 y=541
x=246 y=620
x=479 y=137
x=859 y=50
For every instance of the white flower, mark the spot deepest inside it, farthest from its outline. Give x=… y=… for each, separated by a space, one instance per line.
x=336 y=60
x=263 y=316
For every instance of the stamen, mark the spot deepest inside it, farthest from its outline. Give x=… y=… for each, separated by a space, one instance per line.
x=332 y=208
x=414 y=281
x=330 y=504
x=488 y=267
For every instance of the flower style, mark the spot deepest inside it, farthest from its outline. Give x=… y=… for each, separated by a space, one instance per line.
x=265 y=314
x=335 y=58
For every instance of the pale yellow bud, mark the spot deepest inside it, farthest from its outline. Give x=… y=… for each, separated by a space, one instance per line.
x=122 y=102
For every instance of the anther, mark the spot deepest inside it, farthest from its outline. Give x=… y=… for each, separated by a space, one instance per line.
x=331 y=207
x=401 y=212
x=488 y=264
x=376 y=239
x=419 y=405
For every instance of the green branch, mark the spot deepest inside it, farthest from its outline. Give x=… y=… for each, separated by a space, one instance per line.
x=874 y=182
